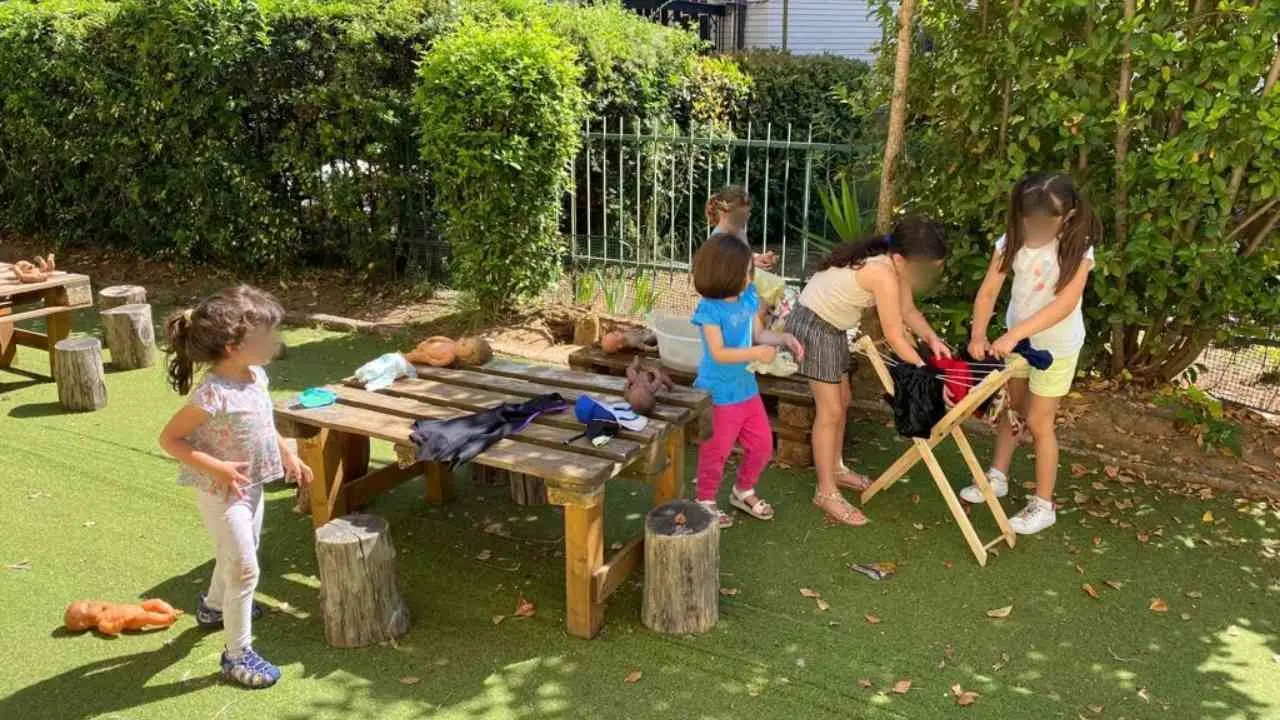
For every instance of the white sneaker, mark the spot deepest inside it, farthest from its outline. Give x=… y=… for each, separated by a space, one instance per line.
x=999 y=486
x=1036 y=516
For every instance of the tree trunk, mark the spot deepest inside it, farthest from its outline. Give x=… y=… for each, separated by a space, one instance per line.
x=1118 y=357
x=131 y=336
x=79 y=374
x=897 y=117
x=359 y=596
x=1006 y=96
x=681 y=568
x=118 y=295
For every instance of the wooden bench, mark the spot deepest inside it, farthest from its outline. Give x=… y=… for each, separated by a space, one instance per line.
x=334 y=442
x=54 y=300
x=789 y=398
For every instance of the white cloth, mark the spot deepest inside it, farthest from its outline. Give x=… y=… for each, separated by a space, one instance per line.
x=235 y=527
x=1035 y=277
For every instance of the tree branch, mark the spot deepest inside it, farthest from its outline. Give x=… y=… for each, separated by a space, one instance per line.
x=1175 y=123
x=1122 y=188
x=897 y=116
x=1262 y=235
x=1007 y=95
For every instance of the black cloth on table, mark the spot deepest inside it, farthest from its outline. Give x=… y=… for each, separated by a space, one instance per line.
x=460 y=439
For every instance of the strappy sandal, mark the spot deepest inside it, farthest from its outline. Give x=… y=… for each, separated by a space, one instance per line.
x=848 y=515
x=851 y=480
x=724 y=519
x=759 y=510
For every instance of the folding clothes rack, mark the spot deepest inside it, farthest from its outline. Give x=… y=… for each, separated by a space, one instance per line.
x=948 y=426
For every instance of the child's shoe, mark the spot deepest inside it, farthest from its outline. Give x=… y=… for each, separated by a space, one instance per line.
x=249 y=670
x=999 y=486
x=724 y=519
x=1036 y=516
x=208 y=618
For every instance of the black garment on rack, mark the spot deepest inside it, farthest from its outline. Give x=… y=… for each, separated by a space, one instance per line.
x=458 y=440
x=917 y=399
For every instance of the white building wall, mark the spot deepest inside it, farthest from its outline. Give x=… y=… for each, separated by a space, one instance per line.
x=841 y=27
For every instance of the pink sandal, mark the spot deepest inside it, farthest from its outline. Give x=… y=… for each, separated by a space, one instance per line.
x=851 y=480
x=848 y=514
x=759 y=509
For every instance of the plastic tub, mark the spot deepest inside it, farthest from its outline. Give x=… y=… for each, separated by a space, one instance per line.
x=679 y=342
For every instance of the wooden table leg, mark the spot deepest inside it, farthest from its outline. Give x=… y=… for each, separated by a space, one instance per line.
x=583 y=555
x=670 y=482
x=439 y=481
x=7 y=344
x=58 y=327
x=323 y=453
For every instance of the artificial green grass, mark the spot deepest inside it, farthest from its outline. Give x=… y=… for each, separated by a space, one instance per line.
x=91 y=503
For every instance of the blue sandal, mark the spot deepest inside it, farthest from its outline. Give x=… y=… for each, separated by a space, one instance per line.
x=208 y=618
x=250 y=670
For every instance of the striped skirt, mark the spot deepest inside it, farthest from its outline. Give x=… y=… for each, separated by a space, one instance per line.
x=826 y=347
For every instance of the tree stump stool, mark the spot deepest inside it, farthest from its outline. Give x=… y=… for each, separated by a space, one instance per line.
x=681 y=568
x=359 y=596
x=118 y=295
x=794 y=425
x=78 y=371
x=131 y=336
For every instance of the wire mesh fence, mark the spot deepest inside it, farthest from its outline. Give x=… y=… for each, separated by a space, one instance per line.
x=636 y=212
x=1244 y=370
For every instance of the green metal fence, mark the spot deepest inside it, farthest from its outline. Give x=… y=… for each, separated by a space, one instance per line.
x=639 y=192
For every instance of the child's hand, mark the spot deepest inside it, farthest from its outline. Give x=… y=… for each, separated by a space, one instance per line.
x=939 y=348
x=230 y=475
x=794 y=346
x=765 y=260
x=979 y=348
x=1003 y=347
x=295 y=469
x=766 y=353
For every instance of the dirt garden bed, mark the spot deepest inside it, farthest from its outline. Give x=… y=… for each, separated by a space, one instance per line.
x=1121 y=428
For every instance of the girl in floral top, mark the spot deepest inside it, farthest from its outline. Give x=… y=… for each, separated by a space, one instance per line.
x=226 y=439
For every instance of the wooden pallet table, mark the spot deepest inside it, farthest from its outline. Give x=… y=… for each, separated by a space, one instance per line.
x=54 y=300
x=334 y=442
x=789 y=397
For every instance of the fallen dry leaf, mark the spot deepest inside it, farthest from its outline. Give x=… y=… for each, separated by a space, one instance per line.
x=1112 y=471
x=1000 y=613
x=915 y=499
x=1097 y=540
x=1114 y=584
x=946 y=564
x=806 y=592
x=823 y=605
x=1078 y=470
x=1194 y=594
x=20 y=565
x=1088 y=590
x=410 y=680
x=1186 y=616
x=1142 y=693
x=1144 y=536
x=1159 y=605
x=963 y=697
x=496 y=619
x=918 y=526
x=864 y=683
x=1207 y=518
x=901 y=687
x=729 y=592
x=1004 y=662
x=1080 y=498
x=1095 y=709
x=872 y=618
x=633 y=677
x=1079 y=569
x=484 y=555
x=524 y=608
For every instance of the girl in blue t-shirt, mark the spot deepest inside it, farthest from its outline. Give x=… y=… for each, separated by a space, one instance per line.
x=732 y=337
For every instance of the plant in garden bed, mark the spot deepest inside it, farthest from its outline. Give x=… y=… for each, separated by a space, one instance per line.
x=1169 y=116
x=1201 y=414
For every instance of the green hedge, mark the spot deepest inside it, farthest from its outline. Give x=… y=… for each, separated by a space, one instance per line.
x=803 y=90
x=502 y=111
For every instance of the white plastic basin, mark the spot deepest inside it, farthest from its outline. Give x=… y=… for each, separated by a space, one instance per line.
x=679 y=342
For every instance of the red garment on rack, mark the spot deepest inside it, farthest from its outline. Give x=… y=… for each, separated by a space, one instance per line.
x=956 y=376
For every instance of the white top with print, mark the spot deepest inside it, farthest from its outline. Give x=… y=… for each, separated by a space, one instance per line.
x=241 y=428
x=1035 y=275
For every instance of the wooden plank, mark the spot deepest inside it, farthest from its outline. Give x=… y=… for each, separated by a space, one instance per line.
x=16 y=290
x=583 y=555
x=474 y=399
x=791 y=389
x=953 y=502
x=571 y=470
x=362 y=490
x=472 y=379
x=27 y=338
x=48 y=311
x=439 y=484
x=610 y=575
x=669 y=483
x=590 y=382
x=980 y=479
x=619 y=451
x=977 y=395
x=8 y=338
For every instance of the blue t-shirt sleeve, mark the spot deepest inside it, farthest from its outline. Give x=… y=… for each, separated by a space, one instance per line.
x=705 y=314
x=750 y=299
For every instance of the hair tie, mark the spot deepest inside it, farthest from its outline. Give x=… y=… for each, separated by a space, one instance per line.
x=888 y=240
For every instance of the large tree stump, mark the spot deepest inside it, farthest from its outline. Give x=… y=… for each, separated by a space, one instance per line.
x=118 y=295
x=77 y=369
x=681 y=568
x=527 y=489
x=359 y=596
x=131 y=336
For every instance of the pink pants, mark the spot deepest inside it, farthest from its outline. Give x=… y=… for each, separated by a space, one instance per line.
x=746 y=423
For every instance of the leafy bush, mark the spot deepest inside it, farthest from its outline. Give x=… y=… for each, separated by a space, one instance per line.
x=501 y=108
x=803 y=90
x=1200 y=414
x=1191 y=209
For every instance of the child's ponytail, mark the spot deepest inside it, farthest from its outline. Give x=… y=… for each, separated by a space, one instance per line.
x=730 y=198
x=177 y=331
x=914 y=237
x=1081 y=230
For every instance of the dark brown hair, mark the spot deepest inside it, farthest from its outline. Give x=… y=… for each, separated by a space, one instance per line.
x=720 y=266
x=1052 y=195
x=915 y=237
x=728 y=199
x=200 y=335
